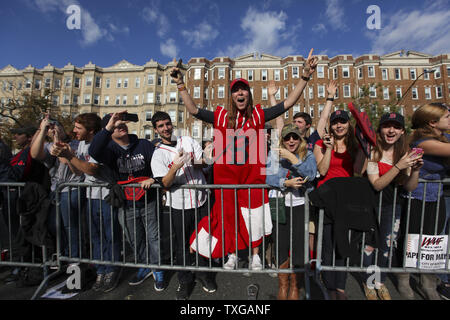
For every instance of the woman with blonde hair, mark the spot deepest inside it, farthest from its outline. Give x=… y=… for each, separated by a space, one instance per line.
x=291 y=168
x=430 y=123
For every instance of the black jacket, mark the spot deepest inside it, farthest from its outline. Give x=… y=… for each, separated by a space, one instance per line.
x=349 y=203
x=33 y=206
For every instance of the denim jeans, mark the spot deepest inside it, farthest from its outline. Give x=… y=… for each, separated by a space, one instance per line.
x=142 y=230
x=387 y=229
x=69 y=216
x=104 y=234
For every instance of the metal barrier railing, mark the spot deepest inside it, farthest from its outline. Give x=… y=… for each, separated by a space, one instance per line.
x=76 y=240
x=19 y=252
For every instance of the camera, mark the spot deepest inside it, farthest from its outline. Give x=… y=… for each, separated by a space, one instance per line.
x=129 y=117
x=179 y=65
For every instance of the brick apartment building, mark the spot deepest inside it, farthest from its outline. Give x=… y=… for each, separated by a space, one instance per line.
x=148 y=88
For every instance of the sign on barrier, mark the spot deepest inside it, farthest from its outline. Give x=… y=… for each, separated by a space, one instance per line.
x=433 y=251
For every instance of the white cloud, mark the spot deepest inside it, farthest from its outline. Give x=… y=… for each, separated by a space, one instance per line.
x=169 y=48
x=262 y=32
x=425 y=31
x=335 y=15
x=154 y=16
x=319 y=28
x=203 y=33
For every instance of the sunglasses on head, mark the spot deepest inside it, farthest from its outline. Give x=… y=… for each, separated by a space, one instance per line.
x=291 y=135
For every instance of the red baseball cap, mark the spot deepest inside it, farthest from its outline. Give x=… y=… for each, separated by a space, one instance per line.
x=239 y=80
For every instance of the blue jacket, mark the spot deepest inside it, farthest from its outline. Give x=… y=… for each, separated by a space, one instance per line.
x=278 y=169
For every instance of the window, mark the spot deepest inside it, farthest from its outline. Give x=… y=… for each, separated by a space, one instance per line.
x=151 y=79
x=347 y=91
x=311 y=111
x=264 y=93
x=173 y=97
x=372 y=92
x=137 y=82
x=335 y=73
x=57 y=84
x=277 y=75
x=320 y=71
x=195 y=131
x=221 y=92
x=384 y=74
x=88 y=81
x=250 y=75
x=180 y=116
x=426 y=76
x=87 y=99
x=336 y=96
x=285 y=74
x=398 y=93
x=119 y=83
x=47 y=83
x=414 y=93
x=398 y=75
x=37 y=84
x=66 y=99
x=346 y=72
x=311 y=92
x=55 y=100
x=148 y=115
x=448 y=70
x=96 y=99
x=117 y=100
x=197 y=74
x=238 y=74
x=439 y=92
x=437 y=73
x=321 y=91
x=428 y=93
x=136 y=99
x=75 y=99
x=196 y=92
x=108 y=83
x=67 y=82
x=286 y=92
x=413 y=74
x=264 y=75
x=148 y=133
x=278 y=95
x=295 y=72
x=98 y=82
x=221 y=73
x=173 y=115
x=158 y=98
x=106 y=100
x=76 y=82
x=371 y=71
x=360 y=73
x=159 y=80
x=386 y=93
x=28 y=84
x=125 y=83
x=150 y=97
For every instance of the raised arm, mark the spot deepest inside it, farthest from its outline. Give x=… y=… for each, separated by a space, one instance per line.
x=323 y=121
x=272 y=91
x=184 y=94
x=323 y=157
x=37 y=145
x=308 y=70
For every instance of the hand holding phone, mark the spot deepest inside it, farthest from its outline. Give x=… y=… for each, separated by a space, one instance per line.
x=129 y=117
x=174 y=73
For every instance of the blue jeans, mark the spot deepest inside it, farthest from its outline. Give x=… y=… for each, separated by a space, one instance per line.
x=69 y=216
x=142 y=230
x=105 y=234
x=387 y=229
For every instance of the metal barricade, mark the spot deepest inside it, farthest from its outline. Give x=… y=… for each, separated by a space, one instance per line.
x=17 y=249
x=137 y=232
x=399 y=229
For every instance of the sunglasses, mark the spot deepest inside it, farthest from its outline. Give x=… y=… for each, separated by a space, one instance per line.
x=291 y=135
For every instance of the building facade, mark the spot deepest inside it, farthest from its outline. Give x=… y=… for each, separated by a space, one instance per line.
x=148 y=88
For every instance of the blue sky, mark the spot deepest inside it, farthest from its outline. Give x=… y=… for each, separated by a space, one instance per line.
x=35 y=31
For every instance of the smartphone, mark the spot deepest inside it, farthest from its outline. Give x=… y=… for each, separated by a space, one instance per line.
x=179 y=65
x=417 y=151
x=129 y=117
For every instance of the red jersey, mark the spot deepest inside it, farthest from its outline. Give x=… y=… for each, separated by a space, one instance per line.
x=341 y=165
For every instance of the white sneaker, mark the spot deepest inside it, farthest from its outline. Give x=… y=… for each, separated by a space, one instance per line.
x=256 y=262
x=231 y=263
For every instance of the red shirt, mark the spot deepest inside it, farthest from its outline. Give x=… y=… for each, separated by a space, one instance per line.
x=341 y=165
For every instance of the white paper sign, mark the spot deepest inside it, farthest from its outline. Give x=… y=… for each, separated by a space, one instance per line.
x=433 y=252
